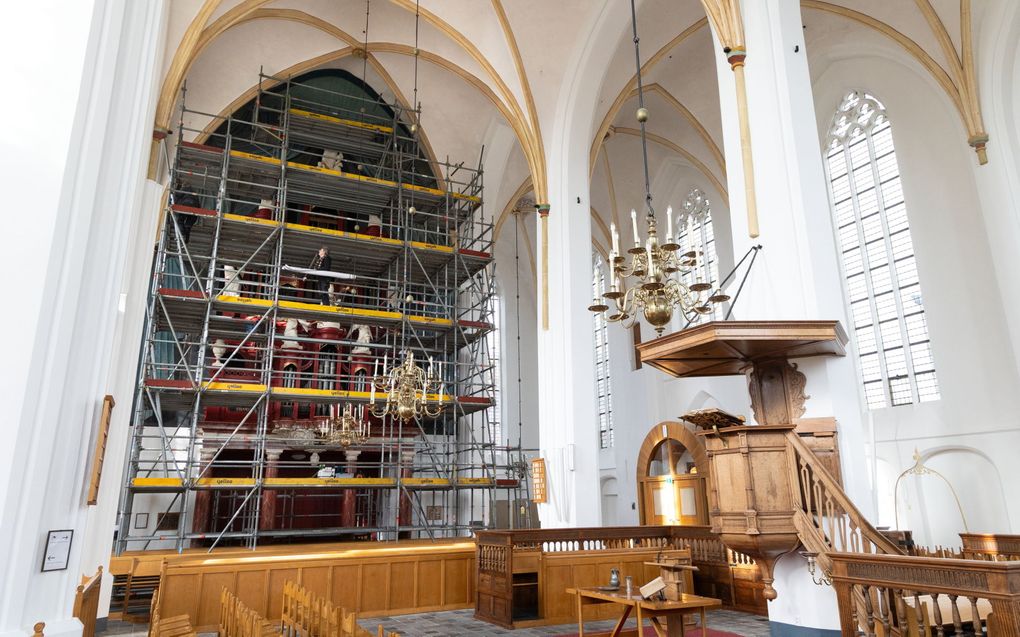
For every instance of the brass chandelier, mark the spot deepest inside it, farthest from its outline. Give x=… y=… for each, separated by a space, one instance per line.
x=410 y=391
x=347 y=429
x=658 y=289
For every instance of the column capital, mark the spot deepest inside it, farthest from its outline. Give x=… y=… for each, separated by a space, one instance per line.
x=543 y=209
x=351 y=454
x=735 y=56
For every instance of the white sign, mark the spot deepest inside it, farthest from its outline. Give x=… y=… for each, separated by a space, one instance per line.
x=58 y=550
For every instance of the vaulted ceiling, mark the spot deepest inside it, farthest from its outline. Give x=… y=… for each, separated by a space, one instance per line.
x=493 y=73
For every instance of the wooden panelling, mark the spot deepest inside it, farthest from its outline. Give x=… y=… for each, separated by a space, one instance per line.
x=370 y=579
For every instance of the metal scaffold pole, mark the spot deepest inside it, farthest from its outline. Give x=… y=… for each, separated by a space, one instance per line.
x=308 y=241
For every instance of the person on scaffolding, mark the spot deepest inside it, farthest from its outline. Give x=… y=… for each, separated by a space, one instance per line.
x=321 y=261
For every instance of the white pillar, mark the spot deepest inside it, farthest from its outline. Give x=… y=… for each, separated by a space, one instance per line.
x=568 y=424
x=796 y=275
x=80 y=142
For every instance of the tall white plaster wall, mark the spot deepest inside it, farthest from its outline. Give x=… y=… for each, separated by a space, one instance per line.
x=78 y=155
x=967 y=318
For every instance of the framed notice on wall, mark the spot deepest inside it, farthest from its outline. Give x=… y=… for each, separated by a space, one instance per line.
x=538 y=494
x=58 y=550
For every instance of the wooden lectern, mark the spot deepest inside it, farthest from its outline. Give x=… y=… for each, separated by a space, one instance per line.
x=750 y=496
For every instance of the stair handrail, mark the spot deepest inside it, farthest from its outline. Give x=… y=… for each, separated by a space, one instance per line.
x=838 y=525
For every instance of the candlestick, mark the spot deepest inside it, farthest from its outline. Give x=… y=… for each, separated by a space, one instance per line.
x=633 y=222
x=669 y=224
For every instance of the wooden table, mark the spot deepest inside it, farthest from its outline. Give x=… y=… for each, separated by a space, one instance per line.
x=673 y=612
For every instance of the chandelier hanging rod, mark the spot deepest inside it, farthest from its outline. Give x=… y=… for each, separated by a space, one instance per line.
x=642 y=112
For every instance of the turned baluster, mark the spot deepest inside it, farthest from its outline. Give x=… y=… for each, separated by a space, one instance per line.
x=919 y=614
x=957 y=623
x=975 y=618
x=901 y=611
x=869 y=611
x=939 y=629
x=883 y=610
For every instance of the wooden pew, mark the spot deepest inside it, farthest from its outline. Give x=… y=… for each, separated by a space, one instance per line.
x=237 y=620
x=86 y=602
x=305 y=614
x=176 y=626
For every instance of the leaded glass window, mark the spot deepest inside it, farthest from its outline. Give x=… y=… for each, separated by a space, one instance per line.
x=603 y=389
x=882 y=286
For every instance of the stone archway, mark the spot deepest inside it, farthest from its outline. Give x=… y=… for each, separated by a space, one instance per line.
x=660 y=433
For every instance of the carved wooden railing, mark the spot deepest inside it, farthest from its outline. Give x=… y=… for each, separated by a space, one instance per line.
x=86 y=602
x=827 y=521
x=909 y=595
x=994 y=547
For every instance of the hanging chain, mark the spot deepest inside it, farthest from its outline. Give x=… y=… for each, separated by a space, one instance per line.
x=641 y=108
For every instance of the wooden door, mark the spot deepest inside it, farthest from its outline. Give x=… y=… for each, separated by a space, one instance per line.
x=675 y=500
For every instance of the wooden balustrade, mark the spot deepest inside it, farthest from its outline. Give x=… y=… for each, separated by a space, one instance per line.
x=994 y=547
x=86 y=602
x=522 y=574
x=826 y=519
x=910 y=595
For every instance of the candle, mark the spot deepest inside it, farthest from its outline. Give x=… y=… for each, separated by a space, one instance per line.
x=669 y=224
x=690 y=233
x=371 y=392
x=633 y=223
x=616 y=239
x=385 y=360
x=375 y=368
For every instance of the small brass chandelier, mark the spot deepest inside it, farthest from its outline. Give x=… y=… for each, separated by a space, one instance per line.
x=658 y=268
x=410 y=390
x=347 y=429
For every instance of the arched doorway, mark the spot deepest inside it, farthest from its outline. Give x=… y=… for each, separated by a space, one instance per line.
x=671 y=474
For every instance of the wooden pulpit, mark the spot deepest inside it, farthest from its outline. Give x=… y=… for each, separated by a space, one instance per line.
x=751 y=500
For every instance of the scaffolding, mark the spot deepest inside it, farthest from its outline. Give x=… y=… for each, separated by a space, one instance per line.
x=244 y=353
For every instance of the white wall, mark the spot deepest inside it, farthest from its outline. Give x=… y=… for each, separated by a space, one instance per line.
x=970 y=336
x=79 y=155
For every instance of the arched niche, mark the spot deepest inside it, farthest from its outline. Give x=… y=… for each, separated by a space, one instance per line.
x=671 y=468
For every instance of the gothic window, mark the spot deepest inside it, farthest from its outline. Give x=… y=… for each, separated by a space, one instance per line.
x=603 y=390
x=881 y=283
x=695 y=228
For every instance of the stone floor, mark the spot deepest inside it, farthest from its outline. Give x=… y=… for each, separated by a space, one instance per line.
x=460 y=622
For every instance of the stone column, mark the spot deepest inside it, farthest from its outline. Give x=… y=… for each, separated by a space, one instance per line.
x=267 y=508
x=796 y=275
x=347 y=510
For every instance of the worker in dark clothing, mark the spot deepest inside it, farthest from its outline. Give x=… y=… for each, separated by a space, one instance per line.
x=320 y=261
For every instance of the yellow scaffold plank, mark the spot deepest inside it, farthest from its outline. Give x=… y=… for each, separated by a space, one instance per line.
x=342 y=234
x=326 y=393
x=421 y=245
x=243 y=300
x=255 y=220
x=340 y=120
x=346 y=311
x=425 y=482
x=248 y=388
x=262 y=158
x=156 y=482
x=226 y=482
x=430 y=320
x=474 y=481
x=329 y=482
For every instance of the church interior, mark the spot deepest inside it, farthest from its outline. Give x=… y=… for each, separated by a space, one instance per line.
x=512 y=317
